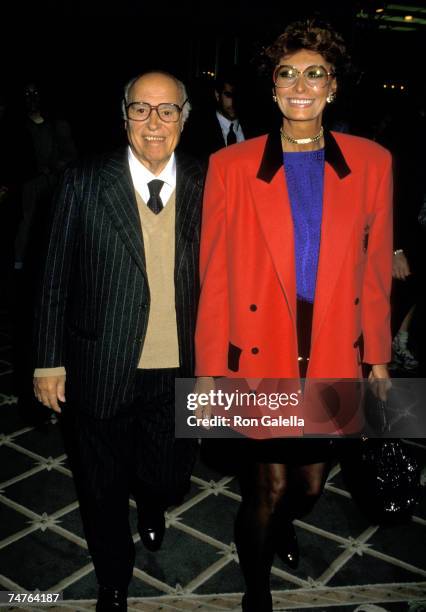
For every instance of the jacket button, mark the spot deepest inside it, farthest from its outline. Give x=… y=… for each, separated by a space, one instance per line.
x=356 y=301
x=144 y=306
x=255 y=350
x=253 y=307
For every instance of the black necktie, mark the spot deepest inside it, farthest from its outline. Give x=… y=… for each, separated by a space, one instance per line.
x=154 y=202
x=231 y=137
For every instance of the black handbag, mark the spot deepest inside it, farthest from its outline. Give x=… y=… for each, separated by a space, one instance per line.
x=383 y=478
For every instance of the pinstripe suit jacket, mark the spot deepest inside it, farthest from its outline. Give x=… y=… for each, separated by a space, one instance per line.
x=92 y=314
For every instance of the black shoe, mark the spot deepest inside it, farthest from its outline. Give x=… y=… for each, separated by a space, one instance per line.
x=256 y=605
x=287 y=547
x=111 y=599
x=151 y=529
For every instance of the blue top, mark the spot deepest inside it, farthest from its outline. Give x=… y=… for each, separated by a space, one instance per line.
x=304 y=173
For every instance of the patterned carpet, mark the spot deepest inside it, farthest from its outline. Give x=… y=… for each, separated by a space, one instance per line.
x=346 y=563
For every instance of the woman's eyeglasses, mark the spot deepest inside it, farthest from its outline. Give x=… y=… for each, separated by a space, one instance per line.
x=314 y=76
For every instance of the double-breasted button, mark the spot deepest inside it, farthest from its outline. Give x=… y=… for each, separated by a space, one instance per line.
x=356 y=301
x=255 y=350
x=253 y=307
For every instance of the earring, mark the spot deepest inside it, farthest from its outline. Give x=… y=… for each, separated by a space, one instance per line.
x=274 y=97
x=331 y=97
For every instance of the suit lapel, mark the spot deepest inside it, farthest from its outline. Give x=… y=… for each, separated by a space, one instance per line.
x=120 y=202
x=188 y=186
x=220 y=141
x=338 y=218
x=273 y=205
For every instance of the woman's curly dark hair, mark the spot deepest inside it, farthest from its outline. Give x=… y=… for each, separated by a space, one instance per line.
x=312 y=35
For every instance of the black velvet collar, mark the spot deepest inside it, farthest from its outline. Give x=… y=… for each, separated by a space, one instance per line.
x=272 y=159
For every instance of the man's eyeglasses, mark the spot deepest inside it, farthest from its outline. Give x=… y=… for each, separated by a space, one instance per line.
x=141 y=111
x=314 y=76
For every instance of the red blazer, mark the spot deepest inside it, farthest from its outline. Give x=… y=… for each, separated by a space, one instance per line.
x=246 y=320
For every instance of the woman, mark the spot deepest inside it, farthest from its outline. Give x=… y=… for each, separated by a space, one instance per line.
x=296 y=257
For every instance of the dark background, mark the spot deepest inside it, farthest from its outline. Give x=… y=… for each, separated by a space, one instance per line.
x=83 y=53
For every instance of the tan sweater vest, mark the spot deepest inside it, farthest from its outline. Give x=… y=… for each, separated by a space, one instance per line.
x=160 y=348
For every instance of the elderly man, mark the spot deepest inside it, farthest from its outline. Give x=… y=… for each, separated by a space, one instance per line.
x=115 y=326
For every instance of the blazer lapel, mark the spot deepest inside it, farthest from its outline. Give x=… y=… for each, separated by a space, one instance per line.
x=273 y=205
x=120 y=202
x=337 y=225
x=274 y=213
x=188 y=188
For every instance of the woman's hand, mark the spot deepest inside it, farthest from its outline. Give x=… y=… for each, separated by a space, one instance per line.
x=204 y=384
x=380 y=381
x=400 y=266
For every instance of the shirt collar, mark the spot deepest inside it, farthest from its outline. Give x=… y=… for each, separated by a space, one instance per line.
x=141 y=174
x=225 y=123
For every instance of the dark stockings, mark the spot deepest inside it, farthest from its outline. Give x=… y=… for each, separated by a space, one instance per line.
x=273 y=494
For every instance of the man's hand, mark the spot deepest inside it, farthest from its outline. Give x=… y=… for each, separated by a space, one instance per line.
x=49 y=389
x=380 y=381
x=400 y=266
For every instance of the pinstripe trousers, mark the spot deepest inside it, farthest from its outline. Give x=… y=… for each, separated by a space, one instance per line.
x=135 y=452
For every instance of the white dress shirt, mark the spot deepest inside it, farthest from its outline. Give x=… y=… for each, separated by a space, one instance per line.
x=141 y=176
x=225 y=123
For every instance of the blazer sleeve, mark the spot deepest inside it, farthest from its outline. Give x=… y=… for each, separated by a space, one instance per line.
x=378 y=273
x=212 y=331
x=51 y=304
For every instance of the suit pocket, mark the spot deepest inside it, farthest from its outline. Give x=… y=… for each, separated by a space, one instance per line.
x=365 y=238
x=359 y=344
x=234 y=353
